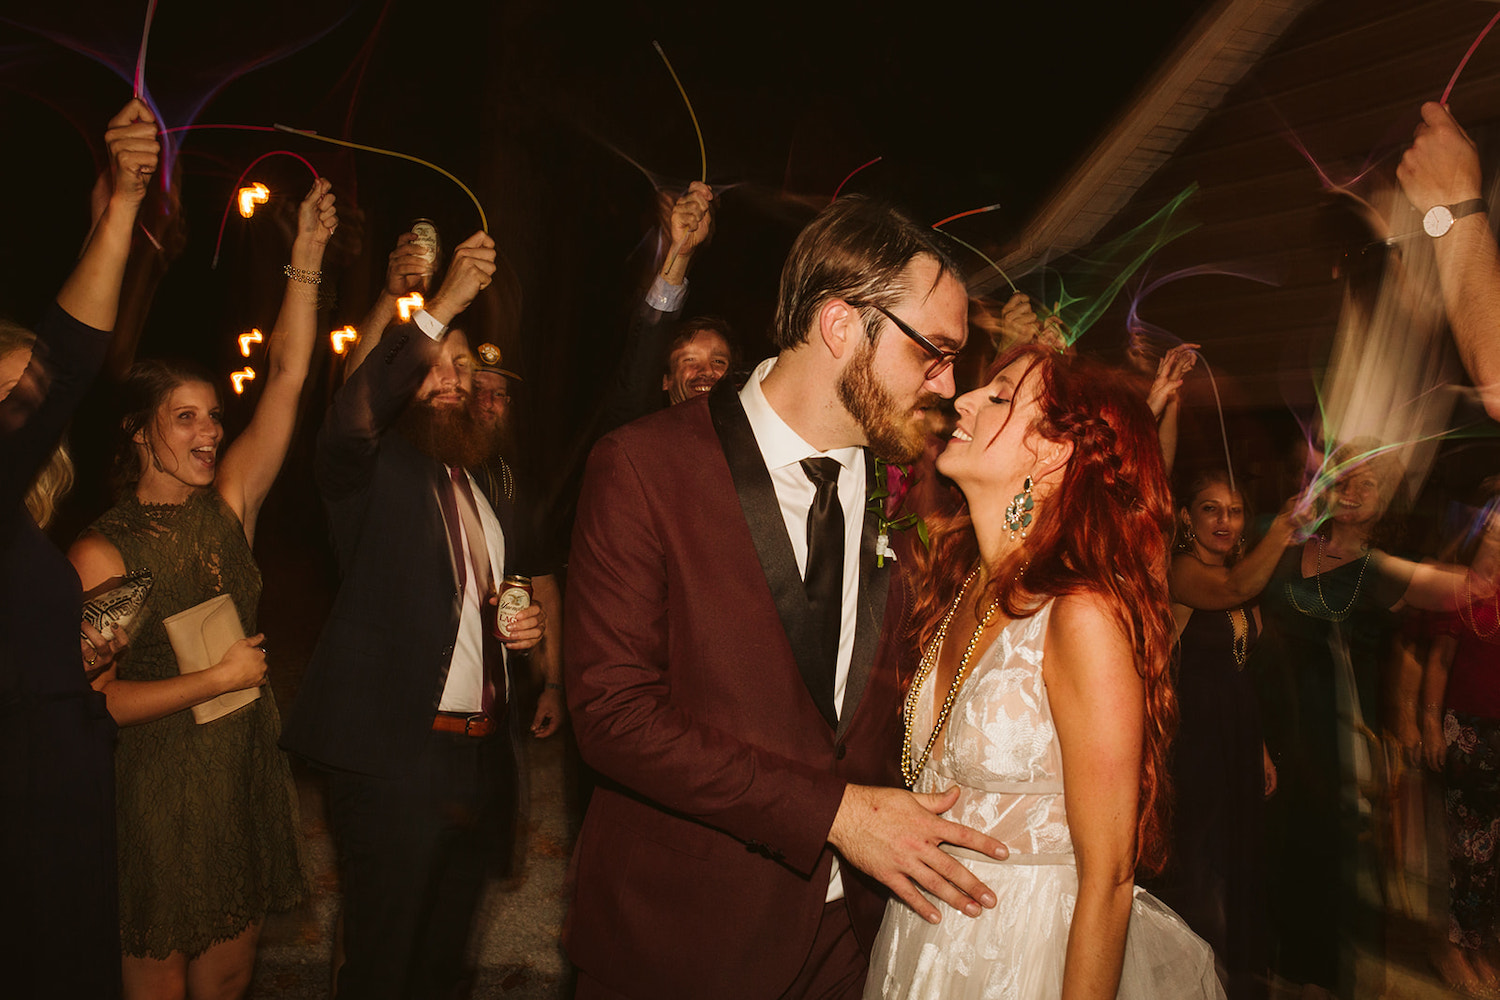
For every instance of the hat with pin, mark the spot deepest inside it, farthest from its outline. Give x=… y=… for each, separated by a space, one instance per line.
x=489 y=361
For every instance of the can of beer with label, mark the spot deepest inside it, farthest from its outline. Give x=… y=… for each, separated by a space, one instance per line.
x=515 y=597
x=427 y=238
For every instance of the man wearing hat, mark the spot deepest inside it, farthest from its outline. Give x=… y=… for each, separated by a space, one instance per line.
x=492 y=389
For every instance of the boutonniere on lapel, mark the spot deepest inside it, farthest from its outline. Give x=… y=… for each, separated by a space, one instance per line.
x=892 y=483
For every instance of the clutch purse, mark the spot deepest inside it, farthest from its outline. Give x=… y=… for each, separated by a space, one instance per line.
x=117 y=606
x=200 y=637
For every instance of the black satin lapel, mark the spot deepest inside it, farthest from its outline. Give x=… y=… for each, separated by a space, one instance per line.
x=767 y=528
x=874 y=586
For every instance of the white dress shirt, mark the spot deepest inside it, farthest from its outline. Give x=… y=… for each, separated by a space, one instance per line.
x=463 y=691
x=783 y=450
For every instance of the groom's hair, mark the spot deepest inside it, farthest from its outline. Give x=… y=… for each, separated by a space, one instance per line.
x=856 y=250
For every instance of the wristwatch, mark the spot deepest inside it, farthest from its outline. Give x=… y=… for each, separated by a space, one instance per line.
x=1439 y=218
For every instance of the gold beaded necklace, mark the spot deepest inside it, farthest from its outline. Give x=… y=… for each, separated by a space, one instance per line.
x=1328 y=613
x=912 y=770
x=1240 y=622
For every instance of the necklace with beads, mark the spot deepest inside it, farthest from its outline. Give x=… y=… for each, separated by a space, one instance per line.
x=1240 y=622
x=1472 y=622
x=911 y=770
x=1328 y=613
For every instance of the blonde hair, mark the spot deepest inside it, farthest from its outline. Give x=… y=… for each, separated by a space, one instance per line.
x=50 y=486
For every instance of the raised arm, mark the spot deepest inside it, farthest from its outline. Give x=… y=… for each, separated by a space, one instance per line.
x=253 y=461
x=1098 y=704
x=375 y=393
x=1442 y=168
x=1202 y=587
x=91 y=294
x=1163 y=398
x=408 y=269
x=74 y=337
x=637 y=386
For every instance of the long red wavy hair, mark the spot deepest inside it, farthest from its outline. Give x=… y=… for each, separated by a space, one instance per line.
x=1105 y=529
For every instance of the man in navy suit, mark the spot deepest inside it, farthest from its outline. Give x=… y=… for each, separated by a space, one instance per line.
x=404 y=704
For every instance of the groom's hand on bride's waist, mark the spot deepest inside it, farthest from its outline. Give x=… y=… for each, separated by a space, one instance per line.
x=895 y=835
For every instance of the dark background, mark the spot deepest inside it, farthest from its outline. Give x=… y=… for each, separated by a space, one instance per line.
x=539 y=107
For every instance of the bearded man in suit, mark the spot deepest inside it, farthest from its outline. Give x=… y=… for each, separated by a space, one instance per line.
x=732 y=647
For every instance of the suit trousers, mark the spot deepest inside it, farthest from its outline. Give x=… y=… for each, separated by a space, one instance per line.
x=414 y=854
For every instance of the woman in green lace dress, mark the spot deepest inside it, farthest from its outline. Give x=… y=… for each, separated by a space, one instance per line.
x=207 y=814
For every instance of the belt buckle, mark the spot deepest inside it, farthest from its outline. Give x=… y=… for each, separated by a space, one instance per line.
x=476 y=721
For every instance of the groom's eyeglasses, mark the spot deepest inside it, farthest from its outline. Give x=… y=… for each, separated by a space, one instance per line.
x=941 y=360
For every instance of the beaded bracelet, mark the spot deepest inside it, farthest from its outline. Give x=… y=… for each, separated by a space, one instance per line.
x=303 y=275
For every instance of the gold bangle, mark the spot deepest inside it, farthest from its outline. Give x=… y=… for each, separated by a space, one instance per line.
x=303 y=275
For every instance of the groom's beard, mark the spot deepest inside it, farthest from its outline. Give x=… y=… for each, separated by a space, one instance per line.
x=453 y=435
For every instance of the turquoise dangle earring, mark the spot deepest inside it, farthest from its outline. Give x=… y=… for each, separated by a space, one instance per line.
x=1018 y=514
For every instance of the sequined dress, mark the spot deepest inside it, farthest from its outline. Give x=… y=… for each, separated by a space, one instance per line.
x=1001 y=748
x=208 y=838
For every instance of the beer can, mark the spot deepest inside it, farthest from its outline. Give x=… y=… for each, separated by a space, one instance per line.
x=515 y=597
x=427 y=238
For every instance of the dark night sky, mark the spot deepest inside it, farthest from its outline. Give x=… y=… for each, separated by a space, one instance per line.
x=968 y=104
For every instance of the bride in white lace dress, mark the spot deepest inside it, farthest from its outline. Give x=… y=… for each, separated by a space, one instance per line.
x=1043 y=695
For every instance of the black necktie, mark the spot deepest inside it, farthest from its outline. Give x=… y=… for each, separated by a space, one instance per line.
x=824 y=579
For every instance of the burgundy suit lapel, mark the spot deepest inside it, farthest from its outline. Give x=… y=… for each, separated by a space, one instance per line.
x=767 y=528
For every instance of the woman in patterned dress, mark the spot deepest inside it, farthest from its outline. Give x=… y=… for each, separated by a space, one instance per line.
x=207 y=814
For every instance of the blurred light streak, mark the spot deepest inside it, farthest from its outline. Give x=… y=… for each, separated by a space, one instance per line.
x=255 y=194
x=239 y=378
x=341 y=339
x=408 y=304
x=246 y=339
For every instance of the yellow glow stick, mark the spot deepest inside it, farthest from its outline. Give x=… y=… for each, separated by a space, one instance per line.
x=702 y=154
x=484 y=222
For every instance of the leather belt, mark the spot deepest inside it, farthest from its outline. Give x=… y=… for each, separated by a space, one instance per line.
x=475 y=724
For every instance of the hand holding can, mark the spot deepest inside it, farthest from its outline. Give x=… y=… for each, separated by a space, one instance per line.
x=515 y=596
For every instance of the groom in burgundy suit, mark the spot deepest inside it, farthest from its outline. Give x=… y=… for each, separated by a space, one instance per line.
x=732 y=647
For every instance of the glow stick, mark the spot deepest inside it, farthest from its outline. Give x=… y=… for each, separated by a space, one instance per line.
x=140 y=59
x=998 y=269
x=702 y=154
x=852 y=173
x=1465 y=60
x=960 y=215
x=237 y=186
x=484 y=222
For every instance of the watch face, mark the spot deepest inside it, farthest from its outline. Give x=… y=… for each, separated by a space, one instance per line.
x=1437 y=221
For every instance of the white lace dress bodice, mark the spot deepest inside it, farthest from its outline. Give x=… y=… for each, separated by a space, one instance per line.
x=1000 y=747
